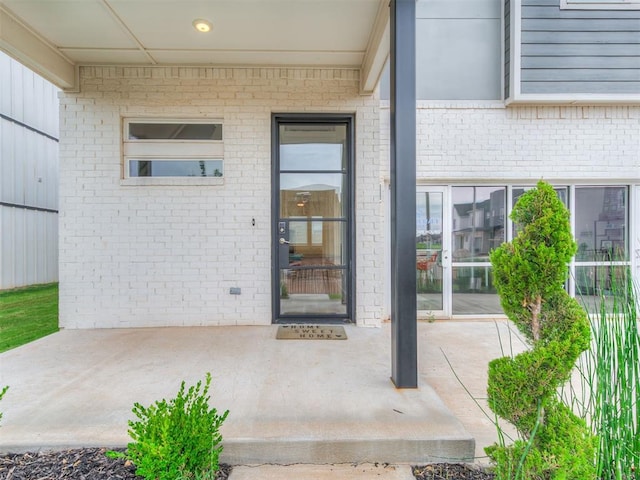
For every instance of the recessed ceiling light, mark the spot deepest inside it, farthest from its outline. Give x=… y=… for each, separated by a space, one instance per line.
x=202 y=25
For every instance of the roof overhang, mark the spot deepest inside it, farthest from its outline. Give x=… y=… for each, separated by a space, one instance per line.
x=55 y=38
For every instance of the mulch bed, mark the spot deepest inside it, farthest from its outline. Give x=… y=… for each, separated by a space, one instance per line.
x=450 y=471
x=93 y=464
x=77 y=464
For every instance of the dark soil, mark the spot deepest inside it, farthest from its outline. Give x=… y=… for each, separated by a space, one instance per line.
x=78 y=464
x=450 y=471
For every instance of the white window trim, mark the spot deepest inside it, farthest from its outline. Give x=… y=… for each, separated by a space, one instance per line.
x=171 y=181
x=601 y=5
x=154 y=149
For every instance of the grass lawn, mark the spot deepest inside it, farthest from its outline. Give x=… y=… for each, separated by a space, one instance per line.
x=27 y=314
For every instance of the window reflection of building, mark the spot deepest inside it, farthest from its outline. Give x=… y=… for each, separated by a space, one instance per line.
x=478 y=225
x=601 y=217
x=602 y=236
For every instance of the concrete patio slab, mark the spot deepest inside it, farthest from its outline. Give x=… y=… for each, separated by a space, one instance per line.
x=293 y=401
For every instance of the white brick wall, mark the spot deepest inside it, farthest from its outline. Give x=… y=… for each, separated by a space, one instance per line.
x=487 y=142
x=167 y=255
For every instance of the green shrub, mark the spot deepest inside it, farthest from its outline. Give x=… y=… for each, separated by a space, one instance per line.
x=179 y=439
x=4 y=390
x=529 y=274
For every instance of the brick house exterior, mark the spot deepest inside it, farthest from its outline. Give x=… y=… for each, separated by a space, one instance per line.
x=509 y=92
x=140 y=256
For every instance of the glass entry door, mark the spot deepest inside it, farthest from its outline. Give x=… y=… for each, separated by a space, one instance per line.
x=432 y=255
x=312 y=210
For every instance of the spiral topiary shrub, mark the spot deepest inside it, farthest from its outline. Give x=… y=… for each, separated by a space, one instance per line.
x=529 y=274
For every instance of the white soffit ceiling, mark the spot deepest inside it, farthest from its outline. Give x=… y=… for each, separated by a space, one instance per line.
x=333 y=33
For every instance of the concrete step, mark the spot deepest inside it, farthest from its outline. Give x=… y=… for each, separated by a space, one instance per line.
x=323 y=472
x=433 y=435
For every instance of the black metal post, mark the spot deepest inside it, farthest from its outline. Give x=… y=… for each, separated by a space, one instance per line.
x=404 y=361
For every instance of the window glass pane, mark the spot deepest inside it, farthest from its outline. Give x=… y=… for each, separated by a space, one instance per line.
x=478 y=222
x=313 y=147
x=315 y=290
x=175 y=131
x=429 y=282
x=315 y=242
x=601 y=223
x=299 y=231
x=473 y=291
x=601 y=286
x=312 y=194
x=429 y=216
x=517 y=192
x=429 y=220
x=175 y=168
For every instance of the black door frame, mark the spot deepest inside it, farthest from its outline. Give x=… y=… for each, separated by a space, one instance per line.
x=278 y=119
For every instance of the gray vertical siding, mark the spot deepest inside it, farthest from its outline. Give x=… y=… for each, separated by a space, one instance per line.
x=579 y=51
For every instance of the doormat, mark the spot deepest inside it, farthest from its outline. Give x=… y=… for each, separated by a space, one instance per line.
x=311 y=332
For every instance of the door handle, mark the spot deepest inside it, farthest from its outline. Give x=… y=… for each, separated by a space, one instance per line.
x=284 y=242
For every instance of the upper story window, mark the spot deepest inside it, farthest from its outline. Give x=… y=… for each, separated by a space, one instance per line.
x=169 y=152
x=600 y=4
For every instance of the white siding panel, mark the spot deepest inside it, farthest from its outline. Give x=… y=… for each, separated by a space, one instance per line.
x=20 y=273
x=19 y=148
x=6 y=249
x=28 y=177
x=28 y=167
x=29 y=161
x=29 y=115
x=5 y=84
x=17 y=92
x=28 y=247
x=8 y=175
x=6 y=171
x=41 y=179
x=50 y=103
x=51 y=176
